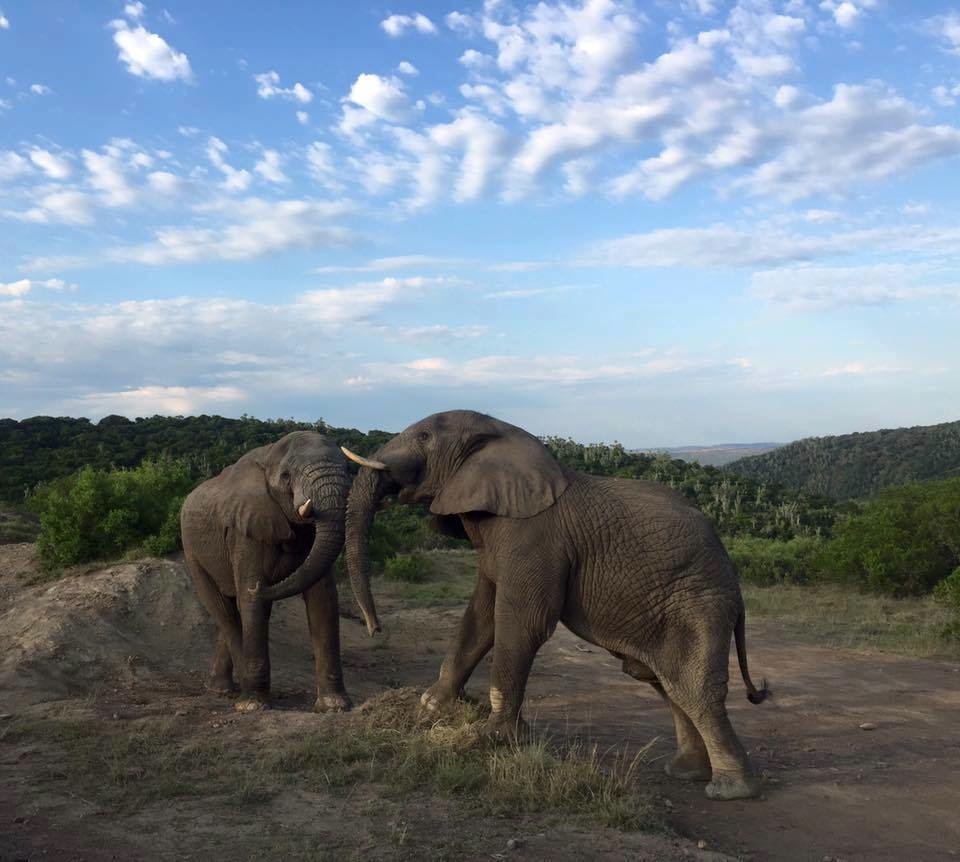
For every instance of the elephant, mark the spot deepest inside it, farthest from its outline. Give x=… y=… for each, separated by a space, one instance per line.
x=268 y=527
x=628 y=565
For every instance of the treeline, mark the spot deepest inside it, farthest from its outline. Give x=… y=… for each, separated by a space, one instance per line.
x=42 y=449
x=850 y=466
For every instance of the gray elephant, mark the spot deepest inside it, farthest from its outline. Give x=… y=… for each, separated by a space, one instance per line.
x=625 y=564
x=268 y=527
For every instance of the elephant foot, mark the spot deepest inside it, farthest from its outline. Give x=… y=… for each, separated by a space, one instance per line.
x=221 y=685
x=336 y=702
x=512 y=729
x=724 y=787
x=251 y=703
x=437 y=699
x=689 y=767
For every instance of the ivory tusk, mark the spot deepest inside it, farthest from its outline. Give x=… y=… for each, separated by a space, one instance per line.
x=306 y=509
x=363 y=462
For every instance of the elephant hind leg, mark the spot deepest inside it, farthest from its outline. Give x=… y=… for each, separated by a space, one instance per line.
x=691 y=762
x=223 y=609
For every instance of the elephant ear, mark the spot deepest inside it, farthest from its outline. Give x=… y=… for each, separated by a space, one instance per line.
x=512 y=475
x=244 y=502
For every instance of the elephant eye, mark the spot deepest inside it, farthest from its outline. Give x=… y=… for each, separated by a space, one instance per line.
x=285 y=476
x=423 y=436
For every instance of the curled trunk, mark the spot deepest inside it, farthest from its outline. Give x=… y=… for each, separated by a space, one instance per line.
x=367 y=491
x=323 y=554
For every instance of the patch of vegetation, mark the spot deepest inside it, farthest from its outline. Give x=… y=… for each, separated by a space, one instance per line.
x=101 y=514
x=836 y=616
x=18 y=526
x=765 y=562
x=947 y=594
x=409 y=568
x=390 y=746
x=859 y=465
x=450 y=577
x=901 y=543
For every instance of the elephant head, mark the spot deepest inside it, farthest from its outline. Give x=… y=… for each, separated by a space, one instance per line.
x=300 y=479
x=457 y=462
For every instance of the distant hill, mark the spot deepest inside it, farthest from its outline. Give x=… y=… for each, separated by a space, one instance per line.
x=718 y=455
x=858 y=465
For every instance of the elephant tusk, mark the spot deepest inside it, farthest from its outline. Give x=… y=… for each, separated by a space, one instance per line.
x=363 y=462
x=255 y=590
x=306 y=510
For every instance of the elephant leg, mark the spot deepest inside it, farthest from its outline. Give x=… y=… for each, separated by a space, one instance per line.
x=472 y=642
x=691 y=762
x=323 y=618
x=703 y=701
x=223 y=610
x=524 y=618
x=255 y=665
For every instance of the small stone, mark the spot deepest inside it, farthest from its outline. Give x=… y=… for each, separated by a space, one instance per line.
x=5 y=716
x=701 y=845
x=180 y=713
x=514 y=843
x=868 y=725
x=116 y=716
x=668 y=803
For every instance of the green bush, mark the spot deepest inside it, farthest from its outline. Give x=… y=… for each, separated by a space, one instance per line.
x=947 y=593
x=410 y=568
x=101 y=514
x=765 y=562
x=902 y=542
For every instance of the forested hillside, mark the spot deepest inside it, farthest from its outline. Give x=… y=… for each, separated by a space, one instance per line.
x=41 y=449
x=859 y=465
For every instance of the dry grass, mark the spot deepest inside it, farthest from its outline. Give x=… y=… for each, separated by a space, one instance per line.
x=385 y=745
x=839 y=617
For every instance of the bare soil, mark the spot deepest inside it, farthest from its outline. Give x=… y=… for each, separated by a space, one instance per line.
x=128 y=644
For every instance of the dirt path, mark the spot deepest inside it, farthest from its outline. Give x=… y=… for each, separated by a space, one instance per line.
x=131 y=641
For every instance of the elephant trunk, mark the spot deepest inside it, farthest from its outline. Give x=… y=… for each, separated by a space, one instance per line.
x=327 y=484
x=367 y=491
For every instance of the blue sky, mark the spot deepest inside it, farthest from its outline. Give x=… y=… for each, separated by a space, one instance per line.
x=661 y=222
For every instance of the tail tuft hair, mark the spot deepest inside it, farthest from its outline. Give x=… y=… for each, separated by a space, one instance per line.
x=759 y=696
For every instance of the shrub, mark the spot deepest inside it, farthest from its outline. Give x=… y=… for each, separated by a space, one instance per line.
x=765 y=562
x=902 y=542
x=100 y=514
x=411 y=569
x=947 y=593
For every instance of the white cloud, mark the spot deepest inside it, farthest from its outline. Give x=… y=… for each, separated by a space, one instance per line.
x=148 y=55
x=234 y=180
x=303 y=118
x=256 y=228
x=528 y=292
x=862 y=134
x=12 y=165
x=810 y=288
x=67 y=207
x=153 y=400
x=461 y=23
x=383 y=264
x=107 y=175
x=25 y=285
x=406 y=68
x=947 y=29
x=40 y=90
x=847 y=13
x=397 y=25
x=54 y=166
x=383 y=98
x=268 y=87
x=4 y=22
x=269 y=167
x=134 y=10
x=359 y=301
x=165 y=183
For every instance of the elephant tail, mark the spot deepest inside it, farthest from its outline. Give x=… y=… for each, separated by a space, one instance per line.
x=754 y=695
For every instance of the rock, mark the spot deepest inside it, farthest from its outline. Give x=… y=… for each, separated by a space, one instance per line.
x=701 y=845
x=868 y=725
x=180 y=713
x=5 y=716
x=514 y=843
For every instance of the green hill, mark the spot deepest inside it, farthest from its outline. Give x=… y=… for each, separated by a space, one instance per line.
x=859 y=465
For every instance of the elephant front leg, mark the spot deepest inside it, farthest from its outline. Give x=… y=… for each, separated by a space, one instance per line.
x=323 y=617
x=255 y=666
x=524 y=621
x=472 y=642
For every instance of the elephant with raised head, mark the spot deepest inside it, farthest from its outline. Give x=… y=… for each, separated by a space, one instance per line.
x=268 y=527
x=626 y=564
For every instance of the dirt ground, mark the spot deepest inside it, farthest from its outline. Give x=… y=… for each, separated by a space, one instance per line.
x=130 y=642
